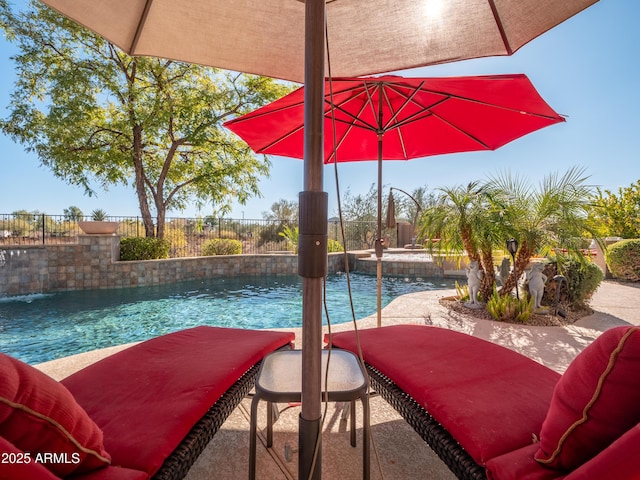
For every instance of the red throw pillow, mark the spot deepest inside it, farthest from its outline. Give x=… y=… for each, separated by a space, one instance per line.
x=595 y=402
x=40 y=417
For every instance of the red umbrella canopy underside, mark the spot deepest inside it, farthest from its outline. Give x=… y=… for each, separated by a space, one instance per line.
x=417 y=117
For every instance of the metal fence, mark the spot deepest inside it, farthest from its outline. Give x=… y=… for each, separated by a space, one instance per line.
x=186 y=235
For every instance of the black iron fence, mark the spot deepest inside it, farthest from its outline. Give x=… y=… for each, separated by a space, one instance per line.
x=186 y=235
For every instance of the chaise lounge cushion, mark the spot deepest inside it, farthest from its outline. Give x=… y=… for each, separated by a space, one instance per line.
x=146 y=398
x=617 y=461
x=40 y=416
x=595 y=402
x=490 y=398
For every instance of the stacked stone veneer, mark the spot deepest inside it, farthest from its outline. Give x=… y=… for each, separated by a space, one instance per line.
x=93 y=263
x=399 y=268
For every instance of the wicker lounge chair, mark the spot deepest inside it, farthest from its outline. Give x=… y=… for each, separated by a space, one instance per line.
x=145 y=412
x=490 y=412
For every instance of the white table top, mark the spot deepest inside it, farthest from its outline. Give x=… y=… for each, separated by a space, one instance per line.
x=281 y=372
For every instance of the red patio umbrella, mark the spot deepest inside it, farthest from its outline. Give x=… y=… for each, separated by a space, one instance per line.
x=397 y=118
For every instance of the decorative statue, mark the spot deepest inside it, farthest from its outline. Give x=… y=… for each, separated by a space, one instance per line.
x=536 y=280
x=474 y=277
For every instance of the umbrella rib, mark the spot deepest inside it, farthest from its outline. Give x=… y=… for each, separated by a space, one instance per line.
x=407 y=101
x=449 y=96
x=499 y=24
x=463 y=132
x=345 y=134
x=357 y=121
x=140 y=27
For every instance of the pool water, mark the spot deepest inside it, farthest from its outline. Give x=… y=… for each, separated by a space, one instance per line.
x=42 y=327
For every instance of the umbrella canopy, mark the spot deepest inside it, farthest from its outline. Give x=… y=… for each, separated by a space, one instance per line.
x=414 y=117
x=265 y=37
x=397 y=118
x=285 y=39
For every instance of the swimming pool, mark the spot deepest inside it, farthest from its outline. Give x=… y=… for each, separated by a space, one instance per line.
x=38 y=328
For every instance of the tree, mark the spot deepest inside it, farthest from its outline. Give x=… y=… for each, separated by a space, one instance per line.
x=73 y=214
x=93 y=113
x=618 y=215
x=362 y=213
x=479 y=217
x=405 y=202
x=462 y=220
x=285 y=211
x=552 y=216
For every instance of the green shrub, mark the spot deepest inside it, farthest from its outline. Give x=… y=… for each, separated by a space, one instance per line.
x=143 y=248
x=270 y=233
x=507 y=308
x=291 y=236
x=334 y=246
x=582 y=276
x=462 y=292
x=623 y=259
x=222 y=246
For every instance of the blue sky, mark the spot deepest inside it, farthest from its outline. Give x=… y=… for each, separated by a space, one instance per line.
x=586 y=68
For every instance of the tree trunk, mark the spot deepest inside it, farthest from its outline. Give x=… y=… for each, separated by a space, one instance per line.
x=160 y=219
x=522 y=260
x=143 y=201
x=469 y=245
x=489 y=277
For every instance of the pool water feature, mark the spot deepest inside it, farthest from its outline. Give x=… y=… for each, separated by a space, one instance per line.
x=42 y=327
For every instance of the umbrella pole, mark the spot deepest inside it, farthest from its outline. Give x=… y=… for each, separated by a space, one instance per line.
x=378 y=245
x=312 y=245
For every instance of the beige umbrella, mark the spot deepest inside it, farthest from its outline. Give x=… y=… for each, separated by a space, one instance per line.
x=285 y=39
x=266 y=37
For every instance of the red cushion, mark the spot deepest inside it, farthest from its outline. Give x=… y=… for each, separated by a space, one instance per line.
x=146 y=398
x=38 y=415
x=520 y=465
x=14 y=464
x=595 y=402
x=618 y=461
x=490 y=398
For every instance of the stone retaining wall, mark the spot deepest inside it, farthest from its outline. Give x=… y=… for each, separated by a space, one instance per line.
x=93 y=263
x=399 y=268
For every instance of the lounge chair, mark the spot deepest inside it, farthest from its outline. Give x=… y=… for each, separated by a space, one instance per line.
x=145 y=412
x=490 y=412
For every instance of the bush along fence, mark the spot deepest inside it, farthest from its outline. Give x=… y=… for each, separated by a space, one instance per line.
x=186 y=236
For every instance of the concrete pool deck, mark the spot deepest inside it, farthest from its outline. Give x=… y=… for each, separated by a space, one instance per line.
x=398 y=452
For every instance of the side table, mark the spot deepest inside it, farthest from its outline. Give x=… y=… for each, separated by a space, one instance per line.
x=280 y=379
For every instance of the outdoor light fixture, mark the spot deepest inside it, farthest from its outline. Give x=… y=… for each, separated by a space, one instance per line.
x=558 y=279
x=512 y=247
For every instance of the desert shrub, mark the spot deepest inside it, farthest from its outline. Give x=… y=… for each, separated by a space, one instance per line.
x=228 y=234
x=270 y=234
x=143 y=248
x=177 y=239
x=221 y=246
x=334 y=246
x=507 y=308
x=623 y=259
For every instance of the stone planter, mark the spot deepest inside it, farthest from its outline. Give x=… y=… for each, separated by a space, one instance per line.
x=99 y=227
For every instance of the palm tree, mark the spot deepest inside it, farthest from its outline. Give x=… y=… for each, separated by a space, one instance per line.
x=554 y=216
x=462 y=218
